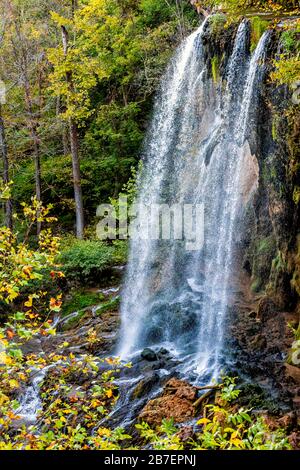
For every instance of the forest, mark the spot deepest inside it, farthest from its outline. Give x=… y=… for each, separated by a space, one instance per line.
x=125 y=341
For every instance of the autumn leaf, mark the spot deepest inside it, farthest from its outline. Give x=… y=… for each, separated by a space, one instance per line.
x=203 y=421
x=55 y=304
x=28 y=303
x=13 y=384
x=3 y=399
x=10 y=334
x=11 y=415
x=27 y=270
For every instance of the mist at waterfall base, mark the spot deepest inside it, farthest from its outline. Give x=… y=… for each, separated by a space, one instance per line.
x=196 y=152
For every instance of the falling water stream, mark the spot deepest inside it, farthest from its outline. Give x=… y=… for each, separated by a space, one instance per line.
x=197 y=152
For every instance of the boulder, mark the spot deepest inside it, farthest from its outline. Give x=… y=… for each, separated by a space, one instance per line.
x=176 y=402
x=180 y=389
x=149 y=355
x=145 y=386
x=167 y=407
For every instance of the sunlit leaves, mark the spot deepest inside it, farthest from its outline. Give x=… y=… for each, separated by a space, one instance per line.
x=19 y=264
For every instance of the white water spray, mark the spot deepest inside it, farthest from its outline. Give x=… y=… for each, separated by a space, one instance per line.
x=196 y=153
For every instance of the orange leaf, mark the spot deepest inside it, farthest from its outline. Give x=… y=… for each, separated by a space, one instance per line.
x=10 y=334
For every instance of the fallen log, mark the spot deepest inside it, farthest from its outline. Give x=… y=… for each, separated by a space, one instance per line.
x=197 y=404
x=209 y=387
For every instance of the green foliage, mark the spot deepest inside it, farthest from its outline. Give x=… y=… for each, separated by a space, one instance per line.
x=56 y=184
x=111 y=144
x=126 y=199
x=117 y=53
x=154 y=12
x=217 y=22
x=287 y=70
x=67 y=416
x=109 y=306
x=229 y=392
x=66 y=419
x=287 y=65
x=116 y=58
x=288 y=39
x=215 y=68
x=238 y=6
x=87 y=260
x=264 y=251
x=79 y=300
x=258 y=27
x=120 y=254
x=164 y=438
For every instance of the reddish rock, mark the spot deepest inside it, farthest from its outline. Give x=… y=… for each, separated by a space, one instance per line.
x=167 y=407
x=176 y=402
x=294 y=440
x=180 y=389
x=293 y=372
x=288 y=421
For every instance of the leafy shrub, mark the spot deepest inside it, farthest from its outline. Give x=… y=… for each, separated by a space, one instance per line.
x=120 y=253
x=87 y=260
x=288 y=39
x=287 y=70
x=287 y=64
x=154 y=12
x=217 y=22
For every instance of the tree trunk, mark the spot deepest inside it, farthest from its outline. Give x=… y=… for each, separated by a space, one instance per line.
x=74 y=150
x=64 y=128
x=36 y=147
x=76 y=179
x=3 y=146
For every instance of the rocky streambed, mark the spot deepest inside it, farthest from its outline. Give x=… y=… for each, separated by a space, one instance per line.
x=155 y=386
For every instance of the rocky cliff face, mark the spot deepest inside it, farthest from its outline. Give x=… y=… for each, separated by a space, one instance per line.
x=265 y=307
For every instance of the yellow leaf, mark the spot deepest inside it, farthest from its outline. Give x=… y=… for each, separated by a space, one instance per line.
x=103 y=432
x=3 y=399
x=3 y=357
x=28 y=303
x=109 y=393
x=203 y=421
x=95 y=403
x=237 y=443
x=13 y=383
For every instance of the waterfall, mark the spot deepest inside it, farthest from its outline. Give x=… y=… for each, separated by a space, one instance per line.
x=196 y=153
